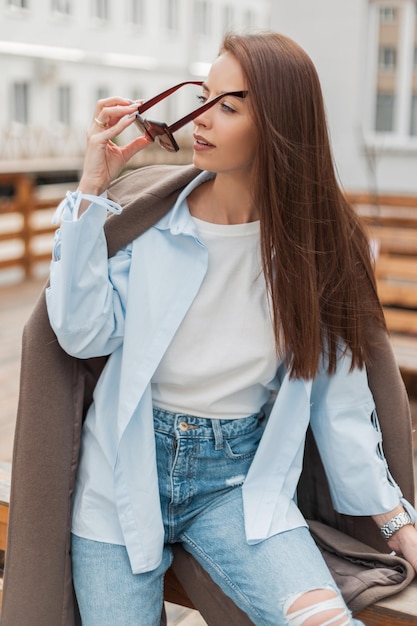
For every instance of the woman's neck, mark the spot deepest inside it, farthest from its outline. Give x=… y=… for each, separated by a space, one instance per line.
x=223 y=200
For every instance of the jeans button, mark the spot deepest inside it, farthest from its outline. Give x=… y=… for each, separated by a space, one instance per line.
x=183 y=426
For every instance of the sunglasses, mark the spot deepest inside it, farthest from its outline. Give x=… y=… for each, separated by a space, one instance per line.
x=161 y=132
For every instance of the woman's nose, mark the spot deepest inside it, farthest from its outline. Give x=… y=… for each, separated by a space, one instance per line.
x=203 y=119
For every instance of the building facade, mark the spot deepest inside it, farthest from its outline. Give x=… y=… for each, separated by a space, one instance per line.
x=366 y=55
x=58 y=57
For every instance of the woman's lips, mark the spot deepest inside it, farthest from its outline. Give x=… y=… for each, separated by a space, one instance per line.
x=201 y=144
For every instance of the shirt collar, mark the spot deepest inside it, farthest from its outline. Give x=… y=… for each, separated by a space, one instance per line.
x=178 y=219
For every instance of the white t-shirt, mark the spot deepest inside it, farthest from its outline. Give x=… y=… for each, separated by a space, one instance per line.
x=222 y=361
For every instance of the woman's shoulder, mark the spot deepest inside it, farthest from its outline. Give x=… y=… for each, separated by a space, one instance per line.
x=146 y=195
x=157 y=180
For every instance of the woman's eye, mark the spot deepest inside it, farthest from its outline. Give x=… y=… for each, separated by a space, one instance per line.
x=224 y=106
x=227 y=108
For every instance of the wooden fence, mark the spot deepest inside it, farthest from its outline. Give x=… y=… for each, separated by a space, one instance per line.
x=26 y=207
x=26 y=231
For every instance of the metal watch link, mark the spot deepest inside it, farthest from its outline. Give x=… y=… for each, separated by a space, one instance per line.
x=394 y=524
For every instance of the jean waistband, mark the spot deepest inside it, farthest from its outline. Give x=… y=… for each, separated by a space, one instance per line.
x=185 y=425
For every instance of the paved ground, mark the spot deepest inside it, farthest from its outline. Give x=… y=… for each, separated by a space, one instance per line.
x=16 y=302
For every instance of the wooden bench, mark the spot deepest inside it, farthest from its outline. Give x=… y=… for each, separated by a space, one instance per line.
x=392 y=227
x=399 y=610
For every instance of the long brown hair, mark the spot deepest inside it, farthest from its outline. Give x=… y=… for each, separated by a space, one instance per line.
x=315 y=253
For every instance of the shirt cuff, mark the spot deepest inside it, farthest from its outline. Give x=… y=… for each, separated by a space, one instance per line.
x=68 y=209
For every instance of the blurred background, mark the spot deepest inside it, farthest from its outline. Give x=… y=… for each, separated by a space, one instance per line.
x=57 y=57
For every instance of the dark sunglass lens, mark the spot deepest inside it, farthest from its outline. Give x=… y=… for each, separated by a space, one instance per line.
x=166 y=142
x=141 y=124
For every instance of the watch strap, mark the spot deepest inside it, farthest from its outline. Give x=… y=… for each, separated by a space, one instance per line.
x=394 y=524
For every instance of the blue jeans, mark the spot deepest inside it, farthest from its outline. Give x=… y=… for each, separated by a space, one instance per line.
x=202 y=464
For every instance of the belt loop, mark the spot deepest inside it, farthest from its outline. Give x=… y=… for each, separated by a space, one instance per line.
x=218 y=434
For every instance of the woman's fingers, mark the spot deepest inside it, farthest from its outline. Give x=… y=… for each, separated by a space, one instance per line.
x=105 y=159
x=112 y=102
x=130 y=149
x=110 y=116
x=101 y=132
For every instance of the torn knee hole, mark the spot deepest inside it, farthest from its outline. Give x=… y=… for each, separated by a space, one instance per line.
x=320 y=607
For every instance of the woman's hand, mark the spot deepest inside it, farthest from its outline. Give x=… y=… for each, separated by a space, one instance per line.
x=104 y=160
x=404 y=543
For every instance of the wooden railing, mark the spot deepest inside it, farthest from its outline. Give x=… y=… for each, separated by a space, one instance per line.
x=26 y=231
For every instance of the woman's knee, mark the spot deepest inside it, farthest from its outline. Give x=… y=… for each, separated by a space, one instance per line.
x=317 y=607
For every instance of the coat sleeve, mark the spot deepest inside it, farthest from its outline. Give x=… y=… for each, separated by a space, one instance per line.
x=393 y=408
x=86 y=299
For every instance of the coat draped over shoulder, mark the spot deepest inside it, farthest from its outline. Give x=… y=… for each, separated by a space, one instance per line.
x=55 y=391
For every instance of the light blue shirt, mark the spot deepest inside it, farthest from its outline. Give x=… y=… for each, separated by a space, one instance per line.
x=130 y=307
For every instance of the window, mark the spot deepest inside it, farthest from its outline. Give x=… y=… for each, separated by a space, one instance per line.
x=384 y=112
x=101 y=9
x=64 y=105
x=137 y=12
x=102 y=92
x=413 y=122
x=202 y=24
x=249 y=20
x=170 y=14
x=20 y=102
x=18 y=4
x=138 y=93
x=228 y=18
x=387 y=14
x=387 y=58
x=391 y=82
x=61 y=6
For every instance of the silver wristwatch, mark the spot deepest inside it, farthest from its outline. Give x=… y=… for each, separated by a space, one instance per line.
x=394 y=524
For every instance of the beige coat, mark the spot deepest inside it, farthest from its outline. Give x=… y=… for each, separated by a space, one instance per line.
x=54 y=393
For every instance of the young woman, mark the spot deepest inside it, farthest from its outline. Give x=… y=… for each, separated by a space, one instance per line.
x=237 y=320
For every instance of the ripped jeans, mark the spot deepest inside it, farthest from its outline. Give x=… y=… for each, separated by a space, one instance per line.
x=201 y=466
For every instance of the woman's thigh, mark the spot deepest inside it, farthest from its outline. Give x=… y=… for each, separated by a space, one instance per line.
x=261 y=578
x=107 y=591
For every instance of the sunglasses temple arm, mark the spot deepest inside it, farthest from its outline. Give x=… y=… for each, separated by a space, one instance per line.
x=150 y=103
x=188 y=118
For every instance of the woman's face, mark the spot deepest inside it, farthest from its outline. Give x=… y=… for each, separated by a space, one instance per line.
x=225 y=138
